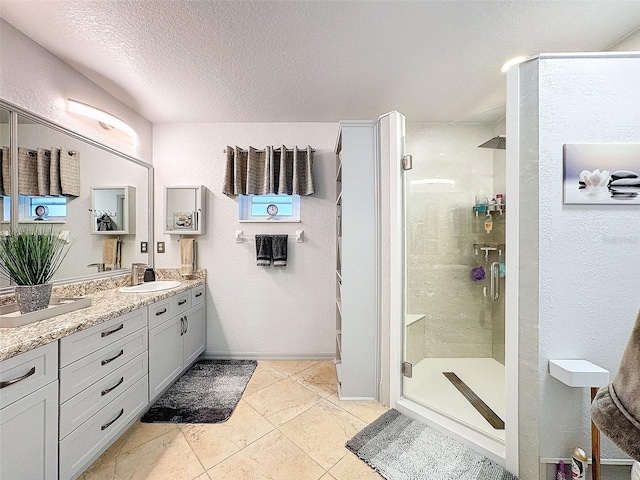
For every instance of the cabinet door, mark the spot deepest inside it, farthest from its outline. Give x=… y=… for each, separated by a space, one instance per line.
x=29 y=436
x=195 y=337
x=165 y=355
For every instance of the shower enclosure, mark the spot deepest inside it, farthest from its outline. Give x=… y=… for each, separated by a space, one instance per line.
x=454 y=272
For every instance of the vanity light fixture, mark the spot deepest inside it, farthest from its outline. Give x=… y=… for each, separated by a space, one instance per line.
x=106 y=120
x=510 y=63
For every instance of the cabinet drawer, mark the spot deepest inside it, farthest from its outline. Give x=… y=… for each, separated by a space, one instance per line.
x=198 y=295
x=87 y=441
x=27 y=372
x=85 y=372
x=78 y=409
x=181 y=302
x=160 y=312
x=83 y=343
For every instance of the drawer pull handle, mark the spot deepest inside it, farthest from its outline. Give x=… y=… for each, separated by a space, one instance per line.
x=106 y=334
x=162 y=312
x=198 y=294
x=109 y=360
x=108 y=424
x=19 y=379
x=107 y=390
x=182 y=302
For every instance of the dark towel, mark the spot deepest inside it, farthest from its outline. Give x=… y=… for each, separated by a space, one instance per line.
x=263 y=250
x=280 y=250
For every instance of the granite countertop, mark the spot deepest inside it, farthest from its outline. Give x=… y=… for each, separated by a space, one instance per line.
x=106 y=304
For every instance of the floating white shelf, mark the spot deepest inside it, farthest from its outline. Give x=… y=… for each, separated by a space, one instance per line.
x=578 y=373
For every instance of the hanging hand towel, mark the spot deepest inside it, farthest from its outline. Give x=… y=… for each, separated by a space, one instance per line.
x=110 y=253
x=27 y=172
x=4 y=157
x=44 y=171
x=6 y=170
x=616 y=408
x=280 y=250
x=70 y=172
x=54 y=173
x=263 y=250
x=187 y=256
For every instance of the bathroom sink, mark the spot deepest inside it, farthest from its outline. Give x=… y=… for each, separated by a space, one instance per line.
x=151 y=286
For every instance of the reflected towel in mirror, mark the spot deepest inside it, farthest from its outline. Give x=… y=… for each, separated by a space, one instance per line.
x=111 y=253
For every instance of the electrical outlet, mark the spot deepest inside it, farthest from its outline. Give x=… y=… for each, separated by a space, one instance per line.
x=144 y=247
x=160 y=247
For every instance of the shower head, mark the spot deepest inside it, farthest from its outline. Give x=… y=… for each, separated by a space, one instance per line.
x=499 y=142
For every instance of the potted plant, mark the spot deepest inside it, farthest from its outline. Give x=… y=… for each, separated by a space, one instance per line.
x=30 y=256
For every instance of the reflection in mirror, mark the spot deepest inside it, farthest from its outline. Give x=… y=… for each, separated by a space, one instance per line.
x=4 y=178
x=56 y=174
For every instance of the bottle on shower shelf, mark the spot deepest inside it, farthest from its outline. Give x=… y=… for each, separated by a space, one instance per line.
x=481 y=201
x=488 y=223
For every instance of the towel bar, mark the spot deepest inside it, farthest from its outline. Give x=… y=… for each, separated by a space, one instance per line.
x=299 y=236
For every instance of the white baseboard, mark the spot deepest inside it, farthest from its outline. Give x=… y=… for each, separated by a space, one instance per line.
x=270 y=356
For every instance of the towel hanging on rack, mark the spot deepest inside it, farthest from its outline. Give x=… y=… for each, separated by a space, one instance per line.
x=269 y=171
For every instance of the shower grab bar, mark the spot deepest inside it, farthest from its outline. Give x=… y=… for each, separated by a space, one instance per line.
x=495 y=281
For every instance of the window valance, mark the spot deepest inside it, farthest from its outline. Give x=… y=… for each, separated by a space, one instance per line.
x=269 y=171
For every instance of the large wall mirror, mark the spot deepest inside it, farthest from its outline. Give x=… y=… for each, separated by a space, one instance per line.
x=57 y=170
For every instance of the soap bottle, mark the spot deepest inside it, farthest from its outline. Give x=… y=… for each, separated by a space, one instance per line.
x=561 y=473
x=578 y=464
x=488 y=223
x=149 y=275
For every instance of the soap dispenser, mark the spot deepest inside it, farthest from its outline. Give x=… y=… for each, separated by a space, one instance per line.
x=481 y=201
x=149 y=275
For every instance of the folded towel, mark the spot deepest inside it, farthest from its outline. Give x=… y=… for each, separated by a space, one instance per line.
x=635 y=471
x=111 y=253
x=44 y=171
x=263 y=250
x=616 y=408
x=187 y=256
x=27 y=172
x=54 y=173
x=70 y=172
x=279 y=250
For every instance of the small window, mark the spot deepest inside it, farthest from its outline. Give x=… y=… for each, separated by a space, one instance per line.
x=269 y=208
x=32 y=208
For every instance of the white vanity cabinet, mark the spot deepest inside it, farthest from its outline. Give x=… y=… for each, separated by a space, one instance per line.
x=177 y=336
x=29 y=415
x=103 y=387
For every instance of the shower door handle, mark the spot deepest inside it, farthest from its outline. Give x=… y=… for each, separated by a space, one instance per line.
x=495 y=281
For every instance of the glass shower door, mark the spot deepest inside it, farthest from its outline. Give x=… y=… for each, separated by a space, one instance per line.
x=454 y=312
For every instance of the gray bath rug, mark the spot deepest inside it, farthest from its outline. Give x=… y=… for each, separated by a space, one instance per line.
x=207 y=393
x=400 y=448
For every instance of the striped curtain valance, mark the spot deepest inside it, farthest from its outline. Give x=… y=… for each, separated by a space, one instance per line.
x=270 y=171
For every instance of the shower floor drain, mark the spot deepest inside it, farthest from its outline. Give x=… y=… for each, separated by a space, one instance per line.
x=482 y=408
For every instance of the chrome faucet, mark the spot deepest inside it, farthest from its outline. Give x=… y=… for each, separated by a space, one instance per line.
x=136 y=269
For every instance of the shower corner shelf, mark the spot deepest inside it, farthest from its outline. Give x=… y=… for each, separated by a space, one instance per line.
x=491 y=208
x=488 y=247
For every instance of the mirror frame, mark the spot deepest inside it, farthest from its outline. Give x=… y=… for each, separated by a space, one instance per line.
x=14 y=112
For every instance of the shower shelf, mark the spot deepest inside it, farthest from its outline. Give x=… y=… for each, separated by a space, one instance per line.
x=492 y=207
x=488 y=247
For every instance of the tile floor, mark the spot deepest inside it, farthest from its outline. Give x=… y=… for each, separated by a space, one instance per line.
x=289 y=425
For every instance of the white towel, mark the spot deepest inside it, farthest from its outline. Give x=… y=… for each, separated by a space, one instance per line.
x=635 y=471
x=187 y=257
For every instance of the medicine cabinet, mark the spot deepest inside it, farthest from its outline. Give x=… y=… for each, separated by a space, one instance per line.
x=184 y=210
x=113 y=210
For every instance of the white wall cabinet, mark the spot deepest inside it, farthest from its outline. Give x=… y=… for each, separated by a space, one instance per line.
x=29 y=415
x=177 y=336
x=356 y=260
x=113 y=210
x=184 y=210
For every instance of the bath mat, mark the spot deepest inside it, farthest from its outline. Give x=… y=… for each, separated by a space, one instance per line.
x=400 y=448
x=207 y=393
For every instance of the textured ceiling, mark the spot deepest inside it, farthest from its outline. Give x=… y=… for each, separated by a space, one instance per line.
x=264 y=61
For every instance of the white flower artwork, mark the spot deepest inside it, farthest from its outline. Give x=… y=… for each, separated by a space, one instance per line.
x=607 y=174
